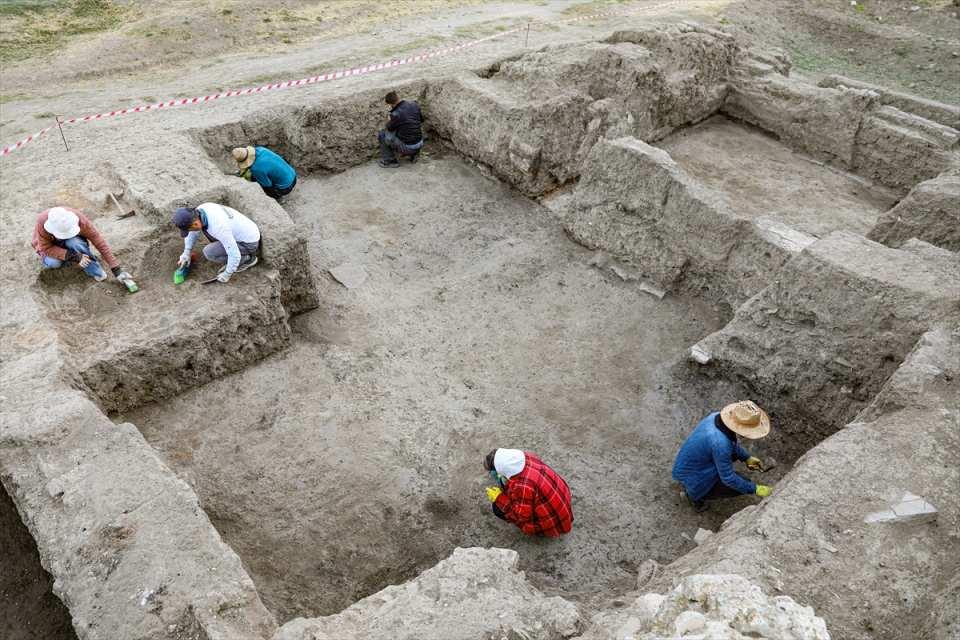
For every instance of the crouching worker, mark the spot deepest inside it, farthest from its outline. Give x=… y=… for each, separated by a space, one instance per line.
x=530 y=494
x=704 y=465
x=234 y=238
x=62 y=235
x=403 y=134
x=271 y=172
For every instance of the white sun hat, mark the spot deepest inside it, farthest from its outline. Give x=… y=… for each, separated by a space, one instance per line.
x=62 y=223
x=509 y=462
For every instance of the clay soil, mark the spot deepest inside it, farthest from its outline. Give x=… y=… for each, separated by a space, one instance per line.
x=760 y=177
x=353 y=460
x=28 y=608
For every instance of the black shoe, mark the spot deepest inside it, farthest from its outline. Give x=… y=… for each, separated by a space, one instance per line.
x=247 y=262
x=413 y=158
x=388 y=165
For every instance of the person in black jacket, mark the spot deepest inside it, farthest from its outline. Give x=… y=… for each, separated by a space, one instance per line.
x=403 y=134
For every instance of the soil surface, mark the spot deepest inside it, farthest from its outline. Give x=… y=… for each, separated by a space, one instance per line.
x=354 y=459
x=908 y=46
x=762 y=178
x=28 y=608
x=148 y=51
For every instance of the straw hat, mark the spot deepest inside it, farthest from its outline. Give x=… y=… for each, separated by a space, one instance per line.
x=746 y=419
x=62 y=223
x=244 y=156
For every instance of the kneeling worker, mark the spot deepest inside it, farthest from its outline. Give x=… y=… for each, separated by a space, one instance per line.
x=63 y=235
x=403 y=134
x=234 y=238
x=704 y=464
x=531 y=495
x=272 y=173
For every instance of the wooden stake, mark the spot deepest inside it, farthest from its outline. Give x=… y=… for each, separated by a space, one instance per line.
x=63 y=137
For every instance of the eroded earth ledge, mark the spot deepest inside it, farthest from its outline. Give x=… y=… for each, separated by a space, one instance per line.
x=835 y=305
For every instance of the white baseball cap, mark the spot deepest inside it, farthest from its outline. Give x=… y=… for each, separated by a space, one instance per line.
x=62 y=223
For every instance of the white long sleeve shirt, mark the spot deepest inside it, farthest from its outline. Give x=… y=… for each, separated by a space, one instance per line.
x=227 y=226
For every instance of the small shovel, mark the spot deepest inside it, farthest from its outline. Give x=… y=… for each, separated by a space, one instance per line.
x=210 y=281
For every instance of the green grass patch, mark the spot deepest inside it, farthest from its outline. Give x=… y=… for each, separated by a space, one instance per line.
x=409 y=47
x=812 y=61
x=592 y=7
x=20 y=7
x=13 y=97
x=29 y=29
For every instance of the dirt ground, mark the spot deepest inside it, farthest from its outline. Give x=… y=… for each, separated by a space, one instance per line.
x=140 y=52
x=760 y=177
x=353 y=460
x=28 y=608
x=909 y=46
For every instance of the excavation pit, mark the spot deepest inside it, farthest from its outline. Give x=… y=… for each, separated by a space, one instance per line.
x=353 y=459
x=338 y=451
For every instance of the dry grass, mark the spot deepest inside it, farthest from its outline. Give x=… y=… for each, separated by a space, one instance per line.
x=33 y=28
x=596 y=6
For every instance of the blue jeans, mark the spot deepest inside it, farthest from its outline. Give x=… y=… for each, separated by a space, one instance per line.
x=390 y=145
x=75 y=246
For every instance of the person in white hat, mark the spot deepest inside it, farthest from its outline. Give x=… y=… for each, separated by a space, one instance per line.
x=704 y=464
x=63 y=235
x=529 y=493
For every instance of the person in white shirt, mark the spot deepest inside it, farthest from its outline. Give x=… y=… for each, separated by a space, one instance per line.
x=234 y=238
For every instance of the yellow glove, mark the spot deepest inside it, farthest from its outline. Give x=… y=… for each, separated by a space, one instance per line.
x=763 y=490
x=493 y=493
x=754 y=464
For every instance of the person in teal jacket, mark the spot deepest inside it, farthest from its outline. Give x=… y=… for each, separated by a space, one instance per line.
x=272 y=173
x=704 y=464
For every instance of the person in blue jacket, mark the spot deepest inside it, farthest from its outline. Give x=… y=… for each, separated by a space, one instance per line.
x=272 y=173
x=704 y=465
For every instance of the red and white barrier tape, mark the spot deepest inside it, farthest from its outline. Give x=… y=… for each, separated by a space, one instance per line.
x=324 y=77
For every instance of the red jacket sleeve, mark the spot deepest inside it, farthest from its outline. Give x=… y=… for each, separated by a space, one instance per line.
x=88 y=231
x=43 y=241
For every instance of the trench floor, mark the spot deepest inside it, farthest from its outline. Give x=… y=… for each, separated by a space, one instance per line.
x=353 y=460
x=760 y=177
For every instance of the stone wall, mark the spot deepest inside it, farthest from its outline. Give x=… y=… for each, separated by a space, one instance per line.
x=330 y=136
x=636 y=203
x=131 y=552
x=881 y=135
x=475 y=593
x=818 y=343
x=534 y=118
x=930 y=212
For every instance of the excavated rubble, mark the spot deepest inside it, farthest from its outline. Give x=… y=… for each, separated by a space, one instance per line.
x=850 y=339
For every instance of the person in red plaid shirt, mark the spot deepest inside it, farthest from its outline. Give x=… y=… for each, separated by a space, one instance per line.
x=531 y=495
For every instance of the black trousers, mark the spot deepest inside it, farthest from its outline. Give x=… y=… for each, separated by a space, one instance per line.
x=720 y=491
x=275 y=193
x=498 y=512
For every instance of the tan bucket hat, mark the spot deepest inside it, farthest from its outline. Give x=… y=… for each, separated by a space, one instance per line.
x=746 y=419
x=244 y=156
